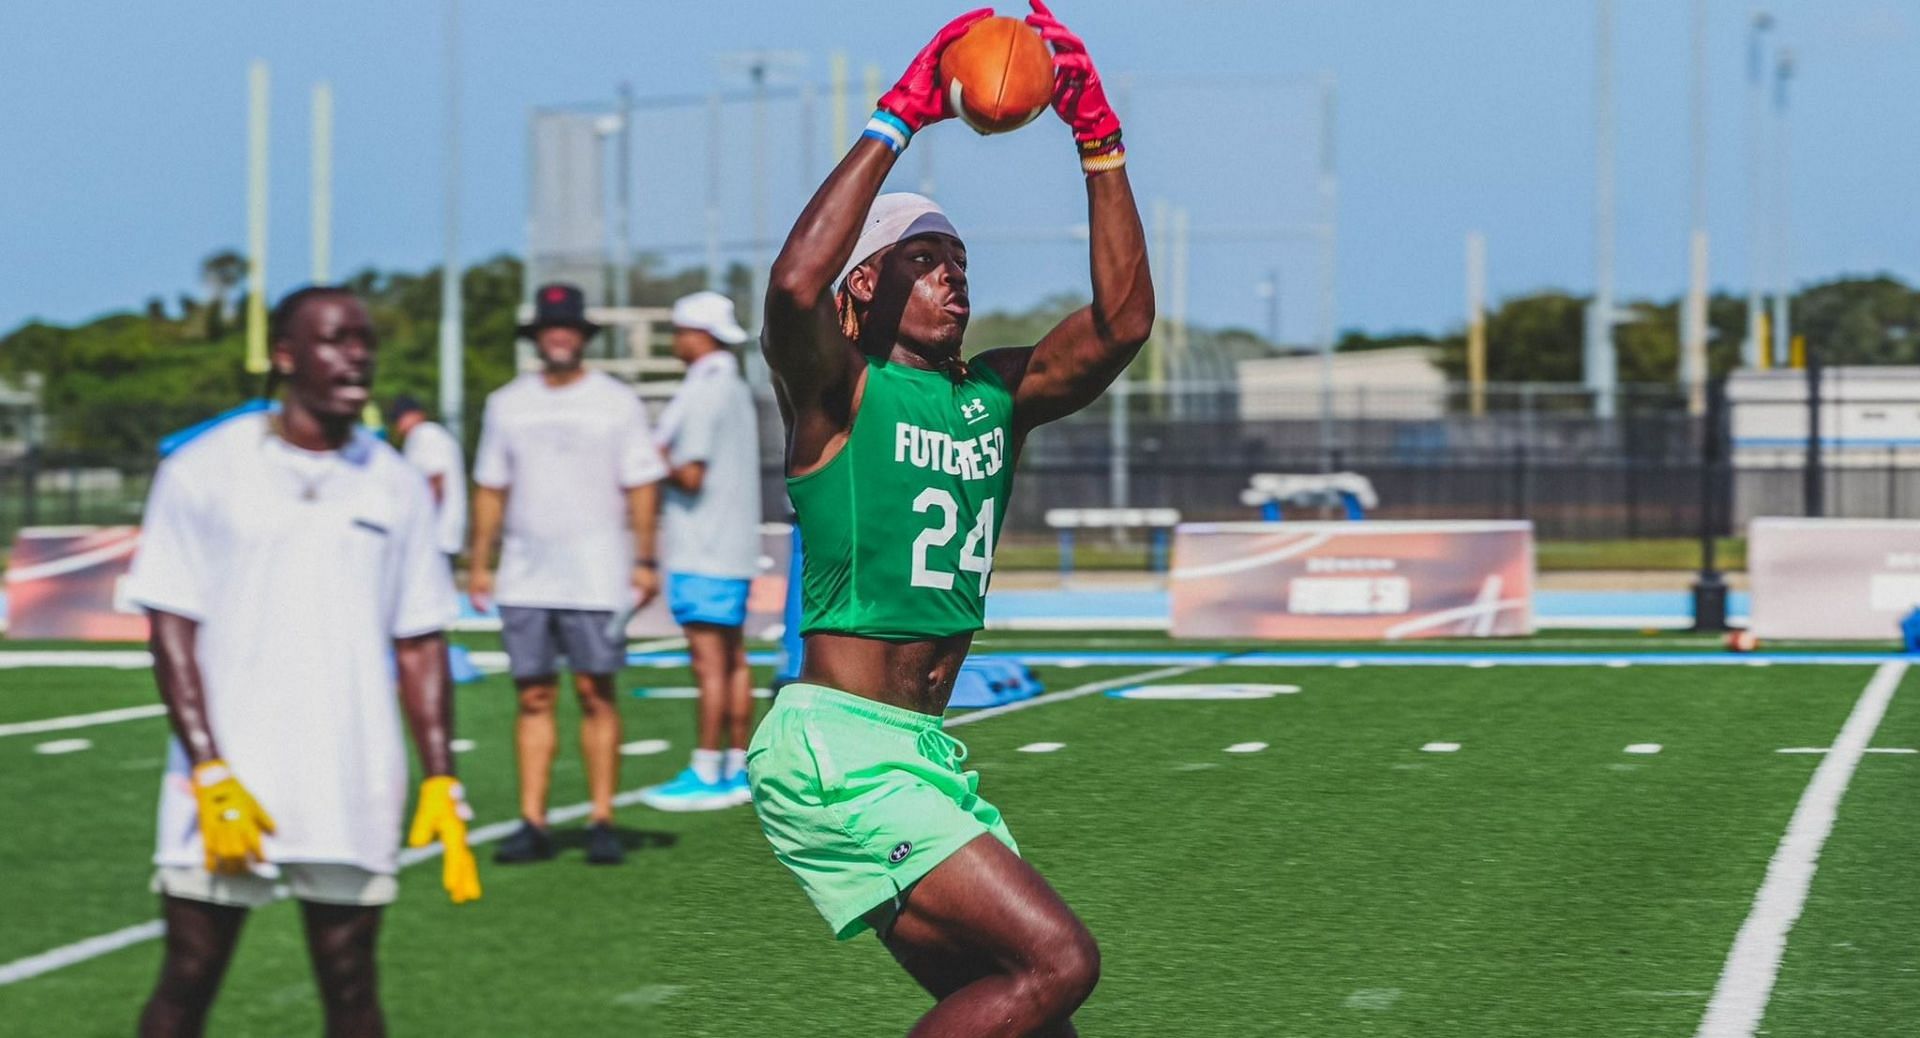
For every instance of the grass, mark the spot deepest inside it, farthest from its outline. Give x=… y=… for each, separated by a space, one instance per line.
x=1340 y=882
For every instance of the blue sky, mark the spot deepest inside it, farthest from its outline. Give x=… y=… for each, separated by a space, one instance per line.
x=124 y=136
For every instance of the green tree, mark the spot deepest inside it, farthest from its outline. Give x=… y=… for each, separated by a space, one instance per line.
x=1860 y=321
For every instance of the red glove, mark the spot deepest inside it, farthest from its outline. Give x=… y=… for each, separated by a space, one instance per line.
x=917 y=99
x=1077 y=93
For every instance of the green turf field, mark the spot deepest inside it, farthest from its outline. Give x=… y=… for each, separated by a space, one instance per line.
x=1338 y=880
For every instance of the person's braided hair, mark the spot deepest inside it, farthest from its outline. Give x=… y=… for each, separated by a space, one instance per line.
x=847 y=309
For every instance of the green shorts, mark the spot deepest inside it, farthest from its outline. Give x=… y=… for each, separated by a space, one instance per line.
x=861 y=799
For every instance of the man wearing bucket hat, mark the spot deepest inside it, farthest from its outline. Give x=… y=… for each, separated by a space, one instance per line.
x=899 y=460
x=710 y=536
x=567 y=469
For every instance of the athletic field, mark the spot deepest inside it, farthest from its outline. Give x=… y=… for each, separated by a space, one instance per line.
x=1579 y=835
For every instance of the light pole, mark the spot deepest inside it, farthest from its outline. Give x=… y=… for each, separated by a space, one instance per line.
x=1329 y=265
x=623 y=200
x=1757 y=244
x=1693 y=330
x=1598 y=368
x=1782 y=282
x=452 y=332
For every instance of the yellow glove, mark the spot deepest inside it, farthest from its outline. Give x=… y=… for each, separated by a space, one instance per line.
x=442 y=815
x=231 y=821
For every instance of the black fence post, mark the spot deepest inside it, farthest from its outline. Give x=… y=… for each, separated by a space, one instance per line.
x=1709 y=589
x=30 y=487
x=1814 y=474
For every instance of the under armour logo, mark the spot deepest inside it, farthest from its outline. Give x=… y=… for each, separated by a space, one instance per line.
x=900 y=852
x=974 y=411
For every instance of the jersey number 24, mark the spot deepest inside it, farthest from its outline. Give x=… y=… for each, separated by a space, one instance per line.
x=976 y=552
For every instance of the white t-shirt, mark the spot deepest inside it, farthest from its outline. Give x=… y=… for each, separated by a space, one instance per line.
x=301 y=569
x=433 y=450
x=566 y=457
x=716 y=532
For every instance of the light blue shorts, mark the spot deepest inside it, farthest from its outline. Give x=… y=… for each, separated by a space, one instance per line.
x=694 y=599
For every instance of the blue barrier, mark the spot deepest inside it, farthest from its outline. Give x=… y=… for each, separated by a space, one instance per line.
x=992 y=681
x=792 y=647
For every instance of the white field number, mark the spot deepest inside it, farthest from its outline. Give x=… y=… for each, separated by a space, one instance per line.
x=976 y=552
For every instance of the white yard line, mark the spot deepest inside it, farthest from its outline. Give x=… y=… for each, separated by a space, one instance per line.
x=79 y=951
x=1746 y=982
x=117 y=659
x=61 y=724
x=94 y=947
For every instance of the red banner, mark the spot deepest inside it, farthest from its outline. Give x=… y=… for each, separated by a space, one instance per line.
x=64 y=582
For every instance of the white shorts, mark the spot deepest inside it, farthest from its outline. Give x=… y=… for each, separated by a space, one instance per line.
x=325 y=882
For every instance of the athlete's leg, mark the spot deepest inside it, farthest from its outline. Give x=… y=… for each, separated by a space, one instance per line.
x=200 y=940
x=599 y=740
x=533 y=742
x=708 y=646
x=986 y=935
x=739 y=694
x=340 y=941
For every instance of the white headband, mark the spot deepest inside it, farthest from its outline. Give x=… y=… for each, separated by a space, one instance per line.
x=894 y=218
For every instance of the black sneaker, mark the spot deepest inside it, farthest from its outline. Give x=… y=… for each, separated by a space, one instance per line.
x=528 y=843
x=603 y=845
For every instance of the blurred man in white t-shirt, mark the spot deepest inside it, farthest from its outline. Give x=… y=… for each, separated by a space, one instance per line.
x=567 y=470
x=429 y=447
x=711 y=534
x=288 y=568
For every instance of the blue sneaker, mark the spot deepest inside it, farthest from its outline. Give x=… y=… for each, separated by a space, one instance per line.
x=737 y=789
x=688 y=792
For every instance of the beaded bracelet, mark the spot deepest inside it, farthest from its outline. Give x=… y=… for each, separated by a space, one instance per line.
x=1105 y=162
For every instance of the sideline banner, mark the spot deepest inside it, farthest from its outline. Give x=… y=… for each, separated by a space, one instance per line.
x=1371 y=581
x=64 y=582
x=1837 y=579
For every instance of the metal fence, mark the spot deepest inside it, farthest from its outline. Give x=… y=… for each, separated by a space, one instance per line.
x=1538 y=452
x=39 y=488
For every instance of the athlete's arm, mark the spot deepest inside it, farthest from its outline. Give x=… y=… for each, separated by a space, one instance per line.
x=813 y=363
x=689 y=477
x=426 y=696
x=231 y=821
x=489 y=504
x=1076 y=361
x=801 y=337
x=171 y=638
x=643 y=511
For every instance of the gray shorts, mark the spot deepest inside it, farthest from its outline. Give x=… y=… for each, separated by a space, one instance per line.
x=537 y=639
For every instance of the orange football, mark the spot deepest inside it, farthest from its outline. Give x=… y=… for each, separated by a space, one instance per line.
x=999 y=76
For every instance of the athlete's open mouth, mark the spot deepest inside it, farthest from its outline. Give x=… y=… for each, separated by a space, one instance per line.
x=356 y=387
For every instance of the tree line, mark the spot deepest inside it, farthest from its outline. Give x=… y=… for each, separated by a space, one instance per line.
x=112 y=387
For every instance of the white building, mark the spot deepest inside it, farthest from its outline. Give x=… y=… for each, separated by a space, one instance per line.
x=1399 y=382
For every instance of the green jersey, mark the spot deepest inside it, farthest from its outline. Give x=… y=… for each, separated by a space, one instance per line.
x=898 y=528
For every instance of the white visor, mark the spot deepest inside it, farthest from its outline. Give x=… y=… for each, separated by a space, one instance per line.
x=894 y=218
